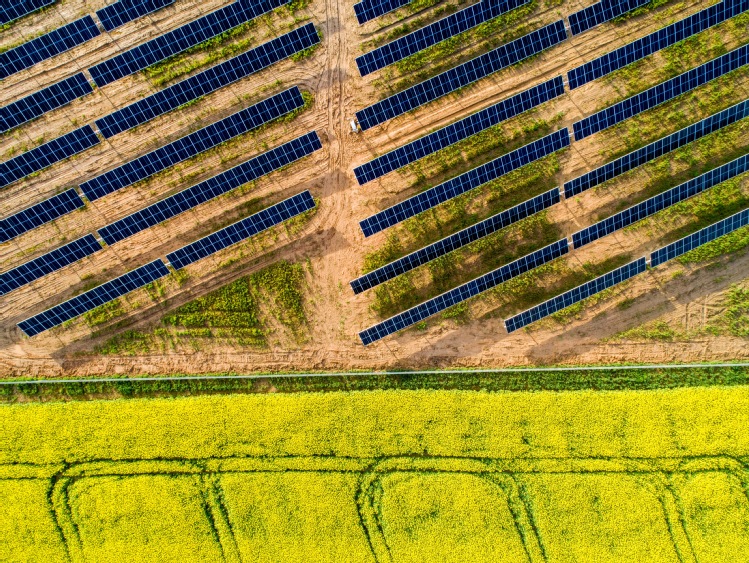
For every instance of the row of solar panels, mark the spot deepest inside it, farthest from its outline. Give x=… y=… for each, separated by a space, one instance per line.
x=68 y=201
x=108 y=291
x=513 y=52
x=544 y=92
x=583 y=20
x=538 y=258
x=111 y=17
x=10 y=12
x=547 y=145
x=138 y=58
x=154 y=105
x=158 y=212
x=620 y=220
x=238 y=67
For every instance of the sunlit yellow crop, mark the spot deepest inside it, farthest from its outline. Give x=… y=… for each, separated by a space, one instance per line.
x=393 y=476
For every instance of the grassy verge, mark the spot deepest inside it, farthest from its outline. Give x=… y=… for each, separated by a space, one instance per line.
x=520 y=380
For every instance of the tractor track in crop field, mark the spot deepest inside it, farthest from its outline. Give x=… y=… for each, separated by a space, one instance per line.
x=512 y=479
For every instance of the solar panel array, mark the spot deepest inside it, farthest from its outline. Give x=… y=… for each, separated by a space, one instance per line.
x=455 y=241
x=601 y=12
x=465 y=182
x=459 y=130
x=124 y=11
x=463 y=292
x=658 y=148
x=576 y=295
x=462 y=75
x=241 y=230
x=208 y=81
x=661 y=201
x=36 y=215
x=193 y=144
x=47 y=46
x=106 y=292
x=656 y=41
x=434 y=33
x=45 y=100
x=21 y=8
x=213 y=187
x=710 y=233
x=48 y=263
x=180 y=39
x=661 y=93
x=47 y=154
x=371 y=9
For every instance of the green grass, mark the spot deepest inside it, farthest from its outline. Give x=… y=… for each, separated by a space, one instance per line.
x=104 y=313
x=723 y=246
x=242 y=313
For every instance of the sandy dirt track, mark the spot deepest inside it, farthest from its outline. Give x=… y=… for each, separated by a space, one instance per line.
x=332 y=241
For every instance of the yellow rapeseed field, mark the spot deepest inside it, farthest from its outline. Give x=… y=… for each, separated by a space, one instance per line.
x=382 y=476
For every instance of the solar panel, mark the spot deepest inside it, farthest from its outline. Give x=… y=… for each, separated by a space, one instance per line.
x=212 y=187
x=47 y=46
x=180 y=39
x=462 y=75
x=193 y=144
x=601 y=12
x=459 y=130
x=241 y=230
x=576 y=295
x=465 y=182
x=36 y=215
x=106 y=292
x=21 y=8
x=656 y=41
x=661 y=93
x=463 y=292
x=455 y=241
x=434 y=33
x=658 y=148
x=45 y=100
x=661 y=201
x=124 y=11
x=208 y=81
x=47 y=154
x=48 y=263
x=371 y=9
x=703 y=236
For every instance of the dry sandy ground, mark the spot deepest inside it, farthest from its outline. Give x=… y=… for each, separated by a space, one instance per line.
x=332 y=240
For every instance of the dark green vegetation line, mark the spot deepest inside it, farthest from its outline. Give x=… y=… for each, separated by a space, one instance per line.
x=529 y=379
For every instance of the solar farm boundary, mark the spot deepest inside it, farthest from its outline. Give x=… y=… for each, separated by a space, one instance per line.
x=286 y=375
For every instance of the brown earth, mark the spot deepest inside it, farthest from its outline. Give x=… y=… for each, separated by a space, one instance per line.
x=332 y=240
